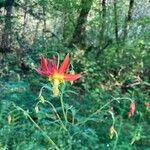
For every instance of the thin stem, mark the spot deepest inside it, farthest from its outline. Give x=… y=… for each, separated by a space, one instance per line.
x=37 y=126
x=62 y=106
x=99 y=110
x=146 y=83
x=118 y=133
x=120 y=125
x=113 y=117
x=54 y=109
x=42 y=88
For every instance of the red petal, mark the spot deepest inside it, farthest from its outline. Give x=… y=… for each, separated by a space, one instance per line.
x=44 y=64
x=64 y=65
x=39 y=71
x=42 y=73
x=72 y=77
x=49 y=65
x=54 y=64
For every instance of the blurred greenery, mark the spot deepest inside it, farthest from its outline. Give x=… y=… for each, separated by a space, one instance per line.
x=108 y=44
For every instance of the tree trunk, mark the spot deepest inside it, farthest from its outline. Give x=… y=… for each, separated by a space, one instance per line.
x=65 y=22
x=116 y=21
x=7 y=30
x=36 y=31
x=44 y=22
x=79 y=32
x=128 y=19
x=102 y=5
x=25 y=19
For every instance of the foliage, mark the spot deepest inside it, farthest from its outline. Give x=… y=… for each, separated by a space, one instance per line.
x=92 y=113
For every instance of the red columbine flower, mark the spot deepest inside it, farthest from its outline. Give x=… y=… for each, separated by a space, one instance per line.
x=56 y=74
x=132 y=109
x=147 y=104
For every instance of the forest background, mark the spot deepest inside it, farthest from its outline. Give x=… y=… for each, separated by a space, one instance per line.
x=109 y=44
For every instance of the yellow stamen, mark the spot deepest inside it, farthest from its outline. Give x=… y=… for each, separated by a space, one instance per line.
x=56 y=79
x=55 y=87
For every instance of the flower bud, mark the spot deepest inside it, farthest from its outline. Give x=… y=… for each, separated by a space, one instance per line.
x=36 y=109
x=9 y=119
x=112 y=131
x=131 y=109
x=147 y=104
x=41 y=99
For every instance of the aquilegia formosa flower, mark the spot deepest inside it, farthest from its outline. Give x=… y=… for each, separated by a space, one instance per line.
x=131 y=109
x=56 y=74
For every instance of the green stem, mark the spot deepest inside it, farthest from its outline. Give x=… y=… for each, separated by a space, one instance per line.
x=118 y=134
x=54 y=109
x=99 y=110
x=62 y=106
x=146 y=83
x=113 y=118
x=120 y=125
x=37 y=126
